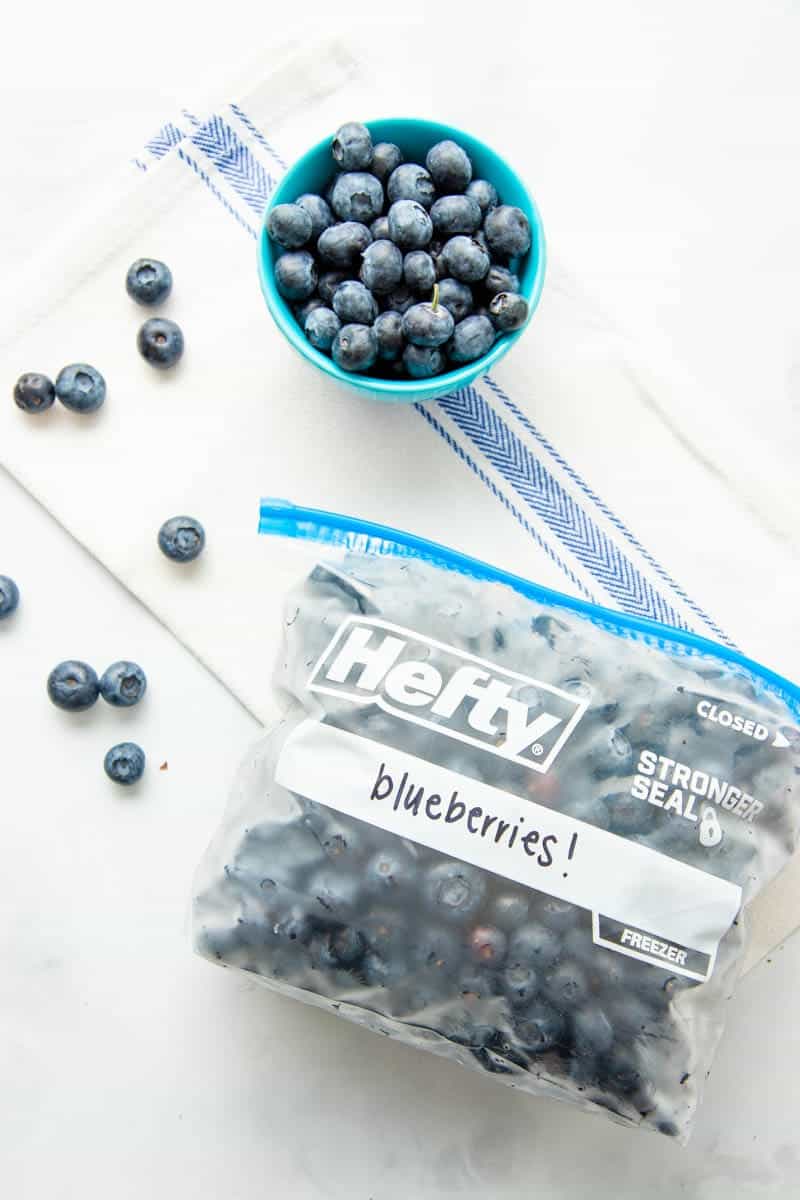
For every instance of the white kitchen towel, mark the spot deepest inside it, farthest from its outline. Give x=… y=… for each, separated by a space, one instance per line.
x=579 y=463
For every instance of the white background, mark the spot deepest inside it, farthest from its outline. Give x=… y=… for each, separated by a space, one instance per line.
x=667 y=138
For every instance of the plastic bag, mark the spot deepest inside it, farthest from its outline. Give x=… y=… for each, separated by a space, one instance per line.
x=502 y=824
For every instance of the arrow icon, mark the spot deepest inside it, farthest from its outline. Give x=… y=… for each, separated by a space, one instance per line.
x=780 y=741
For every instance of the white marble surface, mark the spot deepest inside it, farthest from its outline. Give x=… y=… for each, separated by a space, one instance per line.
x=129 y=1065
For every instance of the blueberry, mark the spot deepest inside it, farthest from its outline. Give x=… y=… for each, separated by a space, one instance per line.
x=355 y=348
x=296 y=273
x=628 y=816
x=123 y=684
x=508 y=231
x=398 y=300
x=566 y=986
x=380 y=229
x=328 y=283
x=390 y=871
x=321 y=327
x=557 y=914
x=80 y=388
x=73 y=685
x=410 y=181
x=622 y=1072
x=410 y=226
x=385 y=931
x=181 y=539
x=149 y=281
x=419 y=271
x=389 y=332
x=611 y=755
x=375 y=971
x=333 y=894
x=500 y=279
x=539 y=1028
x=346 y=946
x=319 y=211
x=484 y=193
x=343 y=244
x=435 y=249
x=457 y=297
x=472 y=338
x=590 y=809
x=381 y=266
x=455 y=214
x=9 y=596
x=436 y=950
x=592 y=1032
x=386 y=157
x=124 y=763
x=302 y=311
x=487 y=945
x=354 y=304
x=449 y=166
x=357 y=196
x=533 y=945
x=509 y=910
x=294 y=925
x=352 y=147
x=160 y=342
x=465 y=259
x=508 y=311
x=34 y=392
x=479 y=982
x=428 y=324
x=454 y=890
x=423 y=362
x=290 y=225
x=520 y=985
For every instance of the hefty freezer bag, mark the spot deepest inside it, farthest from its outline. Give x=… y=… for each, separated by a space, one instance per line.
x=507 y=826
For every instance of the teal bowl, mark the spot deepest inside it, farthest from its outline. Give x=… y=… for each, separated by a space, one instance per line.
x=312 y=173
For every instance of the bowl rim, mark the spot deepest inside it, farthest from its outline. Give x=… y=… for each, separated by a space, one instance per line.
x=409 y=389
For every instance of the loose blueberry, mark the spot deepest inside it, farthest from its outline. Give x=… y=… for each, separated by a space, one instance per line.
x=455 y=214
x=508 y=231
x=328 y=283
x=342 y=245
x=9 y=597
x=355 y=348
x=380 y=229
x=410 y=225
x=303 y=311
x=123 y=684
x=457 y=297
x=428 y=324
x=419 y=271
x=124 y=763
x=381 y=266
x=73 y=685
x=354 y=304
x=508 y=311
x=357 y=196
x=484 y=193
x=487 y=945
x=181 y=539
x=410 y=181
x=500 y=279
x=296 y=273
x=352 y=147
x=321 y=327
x=389 y=332
x=149 y=281
x=399 y=300
x=290 y=225
x=80 y=388
x=33 y=392
x=423 y=362
x=318 y=210
x=449 y=165
x=386 y=157
x=465 y=259
x=472 y=338
x=454 y=890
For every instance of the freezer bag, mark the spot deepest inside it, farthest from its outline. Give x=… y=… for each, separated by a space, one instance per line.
x=499 y=823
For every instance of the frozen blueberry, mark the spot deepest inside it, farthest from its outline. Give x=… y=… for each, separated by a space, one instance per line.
x=484 y=193
x=557 y=914
x=508 y=231
x=533 y=945
x=149 y=281
x=566 y=986
x=457 y=297
x=318 y=210
x=539 y=1028
x=123 y=684
x=380 y=229
x=296 y=273
x=354 y=304
x=73 y=685
x=500 y=279
x=352 y=147
x=398 y=300
x=419 y=272
x=628 y=816
x=454 y=890
x=428 y=324
x=410 y=181
x=381 y=266
x=611 y=755
x=436 y=949
x=346 y=946
x=181 y=539
x=334 y=895
x=423 y=362
x=342 y=245
x=9 y=597
x=385 y=158
x=509 y=910
x=520 y=985
x=321 y=327
x=455 y=214
x=622 y=1072
x=592 y=1032
x=80 y=388
x=472 y=338
x=390 y=871
x=34 y=392
x=478 y=981
x=290 y=225
x=328 y=283
x=508 y=311
x=294 y=925
x=385 y=931
x=124 y=763
x=302 y=311
x=357 y=196
x=487 y=944
x=355 y=348
x=449 y=165
x=465 y=259
x=389 y=332
x=409 y=225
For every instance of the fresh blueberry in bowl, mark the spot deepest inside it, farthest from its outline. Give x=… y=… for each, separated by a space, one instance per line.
x=149 y=281
x=318 y=210
x=456 y=296
x=125 y=763
x=34 y=393
x=410 y=225
x=388 y=327
x=357 y=196
x=428 y=324
x=456 y=214
x=9 y=597
x=123 y=684
x=354 y=304
x=419 y=272
x=73 y=685
x=81 y=388
x=410 y=181
x=386 y=157
x=472 y=338
x=290 y=225
x=508 y=231
x=342 y=245
x=499 y=279
x=355 y=348
x=182 y=539
x=381 y=266
x=322 y=326
x=352 y=147
x=449 y=166
x=296 y=274
x=466 y=259
x=423 y=362
x=380 y=228
x=484 y=193
x=507 y=311
x=160 y=342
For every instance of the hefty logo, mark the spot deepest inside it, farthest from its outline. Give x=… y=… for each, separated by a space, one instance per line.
x=434 y=685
